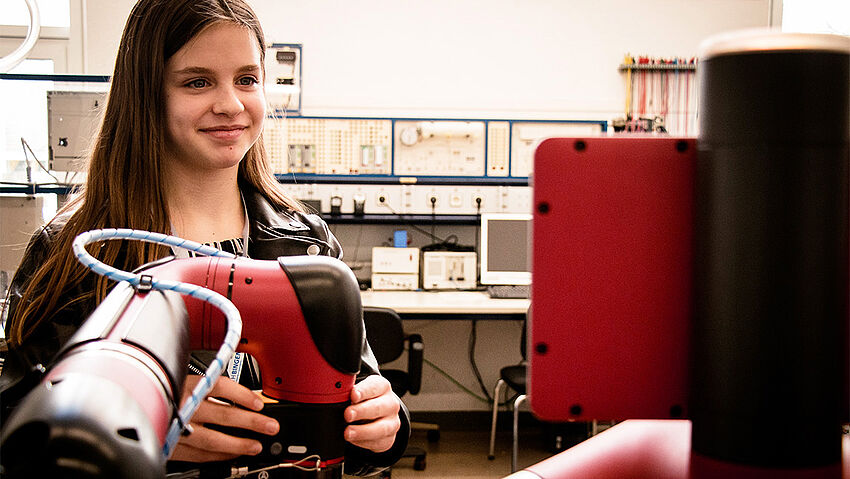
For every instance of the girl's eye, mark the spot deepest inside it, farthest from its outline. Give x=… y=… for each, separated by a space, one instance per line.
x=199 y=83
x=247 y=81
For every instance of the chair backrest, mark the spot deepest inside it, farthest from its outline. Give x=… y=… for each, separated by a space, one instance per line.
x=385 y=333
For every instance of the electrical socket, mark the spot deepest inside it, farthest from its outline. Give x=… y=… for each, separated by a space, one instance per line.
x=477 y=200
x=381 y=198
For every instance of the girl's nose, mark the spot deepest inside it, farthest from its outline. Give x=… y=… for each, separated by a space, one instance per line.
x=227 y=102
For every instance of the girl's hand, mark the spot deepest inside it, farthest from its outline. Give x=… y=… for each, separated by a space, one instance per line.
x=205 y=444
x=372 y=415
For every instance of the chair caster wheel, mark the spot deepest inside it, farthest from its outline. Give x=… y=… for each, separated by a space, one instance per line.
x=433 y=435
x=490 y=457
x=419 y=464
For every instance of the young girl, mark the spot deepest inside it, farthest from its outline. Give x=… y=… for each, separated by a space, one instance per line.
x=180 y=151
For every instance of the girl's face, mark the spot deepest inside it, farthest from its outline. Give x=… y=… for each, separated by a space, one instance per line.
x=214 y=99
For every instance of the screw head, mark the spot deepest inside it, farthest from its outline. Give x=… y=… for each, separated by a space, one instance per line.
x=580 y=145
x=576 y=409
x=543 y=207
x=541 y=348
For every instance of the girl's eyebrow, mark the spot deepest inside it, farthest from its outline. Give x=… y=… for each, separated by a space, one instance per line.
x=194 y=70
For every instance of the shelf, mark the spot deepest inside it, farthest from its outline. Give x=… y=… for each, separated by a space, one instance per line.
x=301 y=178
x=401 y=219
x=685 y=67
x=60 y=77
x=34 y=189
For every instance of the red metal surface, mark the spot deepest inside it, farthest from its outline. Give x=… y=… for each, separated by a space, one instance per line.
x=611 y=277
x=273 y=331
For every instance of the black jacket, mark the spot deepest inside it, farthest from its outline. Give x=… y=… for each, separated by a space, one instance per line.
x=273 y=232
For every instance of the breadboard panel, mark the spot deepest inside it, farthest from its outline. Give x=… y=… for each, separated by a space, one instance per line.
x=498 y=140
x=330 y=146
x=526 y=136
x=439 y=148
x=274 y=140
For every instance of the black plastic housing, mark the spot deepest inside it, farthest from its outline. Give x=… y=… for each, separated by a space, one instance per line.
x=769 y=344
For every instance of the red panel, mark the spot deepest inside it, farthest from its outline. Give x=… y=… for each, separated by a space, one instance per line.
x=273 y=327
x=611 y=272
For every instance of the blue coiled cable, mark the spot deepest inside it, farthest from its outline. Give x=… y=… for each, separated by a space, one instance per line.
x=234 y=320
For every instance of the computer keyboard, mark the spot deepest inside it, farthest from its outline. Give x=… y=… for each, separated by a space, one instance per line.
x=509 y=291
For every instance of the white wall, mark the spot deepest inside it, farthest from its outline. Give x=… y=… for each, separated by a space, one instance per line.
x=467 y=58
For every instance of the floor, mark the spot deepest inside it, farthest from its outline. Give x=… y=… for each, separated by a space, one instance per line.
x=463 y=454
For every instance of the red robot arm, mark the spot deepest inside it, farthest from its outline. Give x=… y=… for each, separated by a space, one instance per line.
x=104 y=408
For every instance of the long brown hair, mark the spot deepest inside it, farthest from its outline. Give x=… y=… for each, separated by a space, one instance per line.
x=124 y=187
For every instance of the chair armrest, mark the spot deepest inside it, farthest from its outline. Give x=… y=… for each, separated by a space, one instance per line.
x=415 y=354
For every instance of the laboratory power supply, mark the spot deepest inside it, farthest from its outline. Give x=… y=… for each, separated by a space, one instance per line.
x=449 y=270
x=395 y=268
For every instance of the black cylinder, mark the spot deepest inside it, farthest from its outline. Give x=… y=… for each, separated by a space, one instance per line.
x=769 y=344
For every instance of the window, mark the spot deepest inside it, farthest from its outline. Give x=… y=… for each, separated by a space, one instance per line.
x=53 y=13
x=28 y=101
x=816 y=16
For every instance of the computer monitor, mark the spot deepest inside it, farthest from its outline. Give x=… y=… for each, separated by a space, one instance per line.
x=505 y=248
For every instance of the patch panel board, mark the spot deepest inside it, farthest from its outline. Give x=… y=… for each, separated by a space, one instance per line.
x=335 y=146
x=413 y=148
x=498 y=140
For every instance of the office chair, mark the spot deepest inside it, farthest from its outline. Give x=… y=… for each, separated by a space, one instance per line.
x=515 y=378
x=386 y=337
